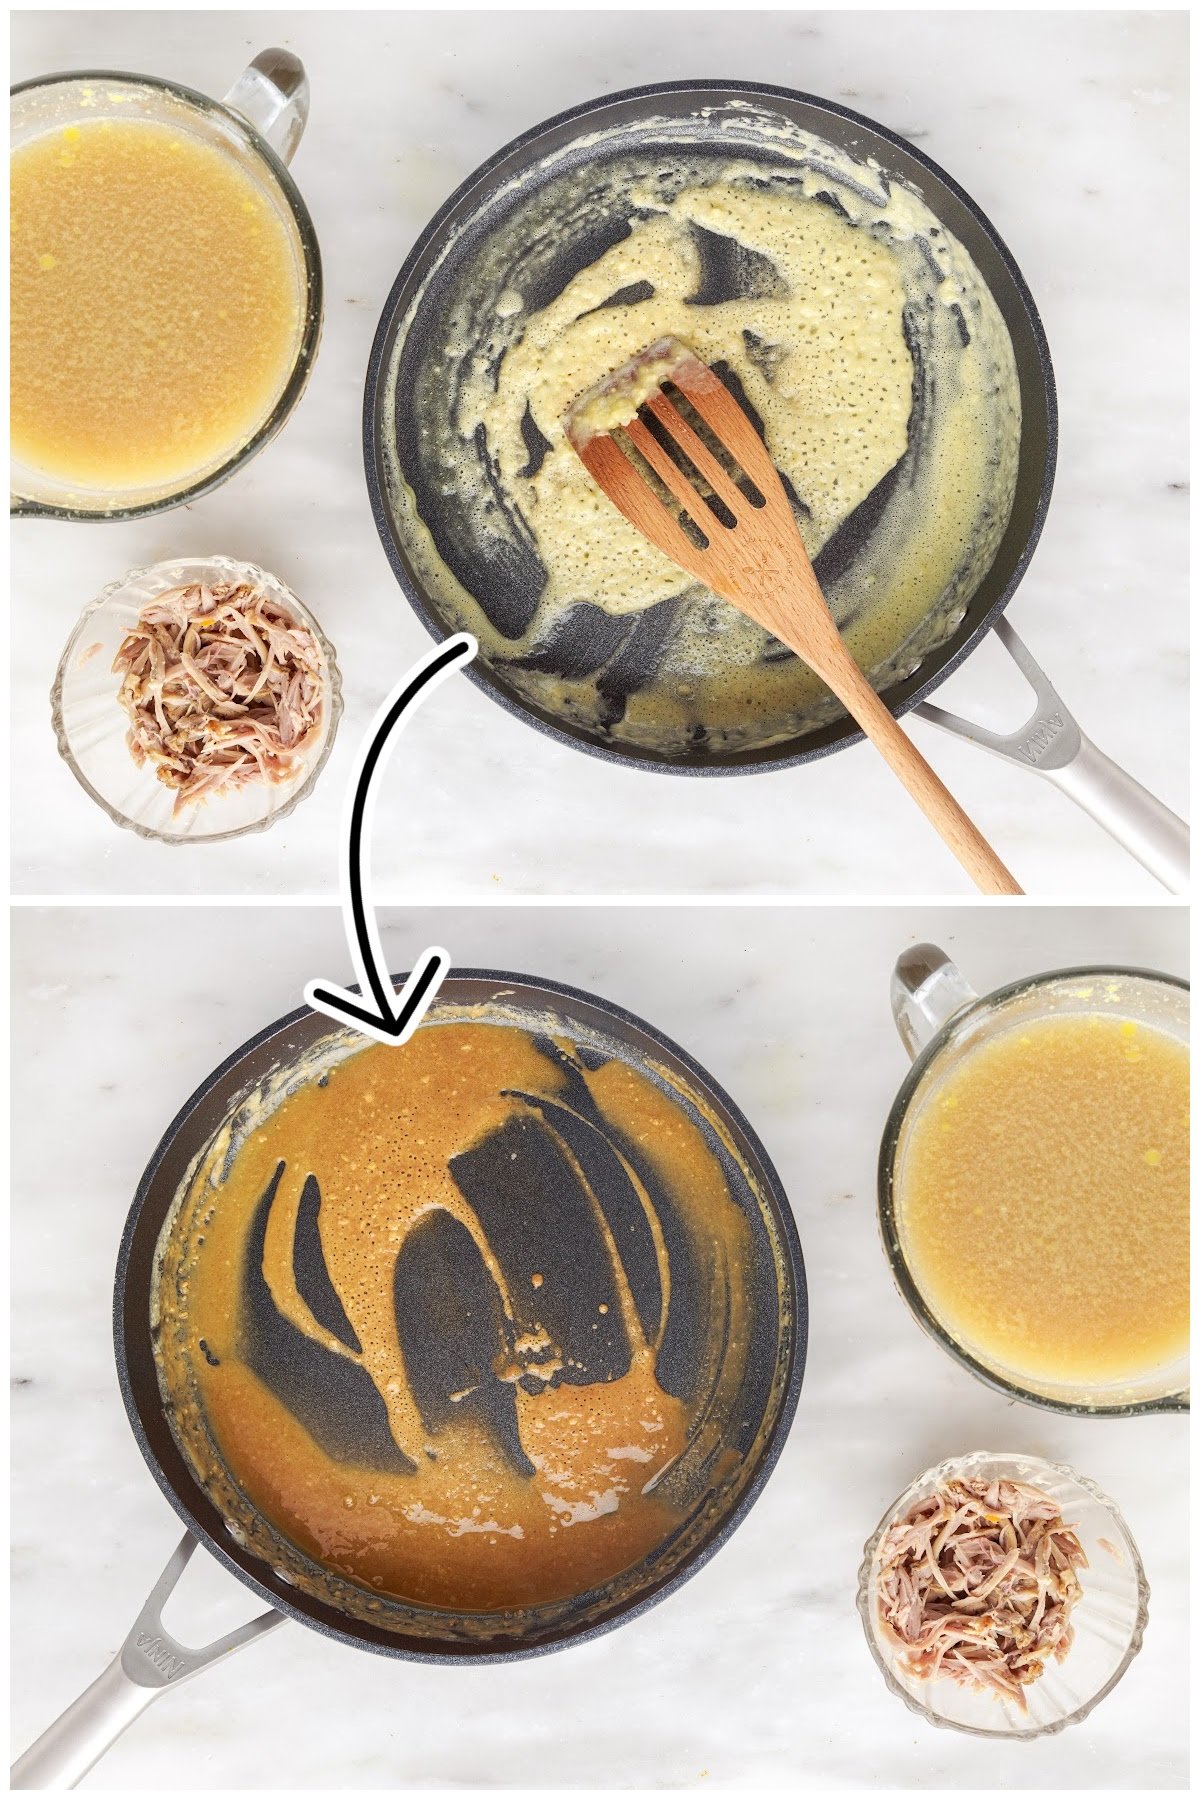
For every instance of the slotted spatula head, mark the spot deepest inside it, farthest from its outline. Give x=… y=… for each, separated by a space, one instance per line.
x=735 y=529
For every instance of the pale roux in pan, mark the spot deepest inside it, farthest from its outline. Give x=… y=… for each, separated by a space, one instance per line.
x=847 y=269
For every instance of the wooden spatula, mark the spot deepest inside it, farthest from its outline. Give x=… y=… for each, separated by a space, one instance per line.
x=749 y=550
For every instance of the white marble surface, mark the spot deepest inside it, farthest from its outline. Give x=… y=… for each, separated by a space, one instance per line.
x=1068 y=128
x=753 y=1675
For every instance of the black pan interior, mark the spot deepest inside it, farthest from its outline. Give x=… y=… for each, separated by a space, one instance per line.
x=619 y=657
x=756 y=1427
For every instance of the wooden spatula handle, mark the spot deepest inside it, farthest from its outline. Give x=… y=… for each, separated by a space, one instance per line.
x=793 y=607
x=936 y=801
x=757 y=560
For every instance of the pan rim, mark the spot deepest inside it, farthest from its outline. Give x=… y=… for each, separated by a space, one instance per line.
x=393 y=1644
x=905 y=695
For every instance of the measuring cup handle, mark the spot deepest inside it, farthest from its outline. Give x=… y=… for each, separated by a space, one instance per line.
x=273 y=95
x=149 y=1660
x=927 y=990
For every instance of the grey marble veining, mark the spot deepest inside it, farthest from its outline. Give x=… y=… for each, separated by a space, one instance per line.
x=755 y=1674
x=1068 y=128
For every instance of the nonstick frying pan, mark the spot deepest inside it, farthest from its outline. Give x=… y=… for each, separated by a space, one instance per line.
x=412 y=340
x=753 y=1420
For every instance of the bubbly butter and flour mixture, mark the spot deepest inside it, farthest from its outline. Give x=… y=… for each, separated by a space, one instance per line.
x=820 y=354
x=455 y=1319
x=859 y=334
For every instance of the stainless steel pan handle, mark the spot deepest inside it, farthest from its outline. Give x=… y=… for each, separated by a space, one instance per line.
x=1051 y=742
x=149 y=1660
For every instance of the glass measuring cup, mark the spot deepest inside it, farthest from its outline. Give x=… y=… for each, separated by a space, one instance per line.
x=941 y=1019
x=259 y=124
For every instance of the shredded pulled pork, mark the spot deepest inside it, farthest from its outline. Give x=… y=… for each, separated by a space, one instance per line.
x=978 y=1582
x=222 y=686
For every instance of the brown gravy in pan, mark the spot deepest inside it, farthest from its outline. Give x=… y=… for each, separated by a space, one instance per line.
x=421 y=1316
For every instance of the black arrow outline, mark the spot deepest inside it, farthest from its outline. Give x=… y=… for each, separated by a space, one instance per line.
x=395 y=1016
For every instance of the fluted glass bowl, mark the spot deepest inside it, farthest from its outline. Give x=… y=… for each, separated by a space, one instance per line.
x=90 y=723
x=1109 y=1617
